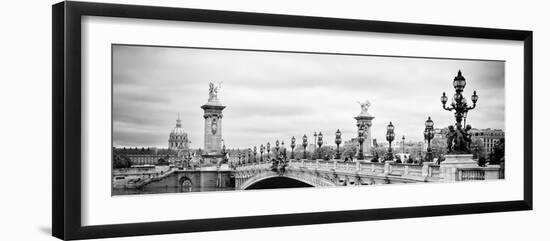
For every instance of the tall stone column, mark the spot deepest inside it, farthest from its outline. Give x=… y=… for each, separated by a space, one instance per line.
x=365 y=119
x=213 y=128
x=367 y=122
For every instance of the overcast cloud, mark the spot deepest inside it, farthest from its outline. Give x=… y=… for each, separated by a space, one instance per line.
x=273 y=95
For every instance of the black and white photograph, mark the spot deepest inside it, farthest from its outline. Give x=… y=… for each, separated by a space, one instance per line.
x=192 y=119
x=274 y=120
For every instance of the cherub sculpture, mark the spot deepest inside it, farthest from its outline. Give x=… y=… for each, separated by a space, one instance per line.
x=451 y=135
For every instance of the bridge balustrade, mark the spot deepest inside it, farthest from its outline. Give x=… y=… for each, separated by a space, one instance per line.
x=469 y=174
x=397 y=169
x=428 y=171
x=414 y=170
x=310 y=164
x=372 y=167
x=295 y=164
x=327 y=165
x=342 y=166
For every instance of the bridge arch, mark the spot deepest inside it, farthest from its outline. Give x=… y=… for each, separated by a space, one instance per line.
x=185 y=184
x=185 y=181
x=289 y=179
x=277 y=182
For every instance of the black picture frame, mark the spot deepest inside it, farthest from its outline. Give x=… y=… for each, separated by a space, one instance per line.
x=66 y=123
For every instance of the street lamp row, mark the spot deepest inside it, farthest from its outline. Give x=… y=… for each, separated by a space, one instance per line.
x=390 y=137
x=252 y=152
x=458 y=139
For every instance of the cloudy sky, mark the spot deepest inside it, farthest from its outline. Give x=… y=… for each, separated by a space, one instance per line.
x=272 y=95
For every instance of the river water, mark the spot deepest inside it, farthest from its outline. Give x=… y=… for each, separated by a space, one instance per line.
x=155 y=190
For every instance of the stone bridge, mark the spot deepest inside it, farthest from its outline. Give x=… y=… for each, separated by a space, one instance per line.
x=310 y=173
x=321 y=173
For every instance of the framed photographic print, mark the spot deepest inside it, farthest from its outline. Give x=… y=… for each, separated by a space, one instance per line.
x=169 y=120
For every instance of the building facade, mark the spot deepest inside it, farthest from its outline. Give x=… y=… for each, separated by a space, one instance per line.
x=146 y=156
x=178 y=144
x=489 y=137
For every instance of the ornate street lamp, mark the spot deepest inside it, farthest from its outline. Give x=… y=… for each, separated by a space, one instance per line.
x=459 y=105
x=390 y=136
x=268 y=150
x=403 y=143
x=255 y=152
x=304 y=144
x=429 y=123
x=262 y=149
x=319 y=143
x=277 y=148
x=429 y=135
x=292 y=146
x=338 y=141
x=361 y=139
x=314 y=139
x=283 y=149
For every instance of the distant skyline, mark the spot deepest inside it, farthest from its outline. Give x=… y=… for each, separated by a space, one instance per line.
x=275 y=95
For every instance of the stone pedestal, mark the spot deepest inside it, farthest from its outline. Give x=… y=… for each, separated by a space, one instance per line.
x=448 y=168
x=461 y=160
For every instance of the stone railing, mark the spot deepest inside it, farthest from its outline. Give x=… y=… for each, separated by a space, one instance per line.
x=253 y=166
x=478 y=173
x=468 y=174
x=415 y=171
x=373 y=167
x=428 y=171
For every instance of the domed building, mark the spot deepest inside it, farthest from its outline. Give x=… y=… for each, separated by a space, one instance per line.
x=178 y=139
